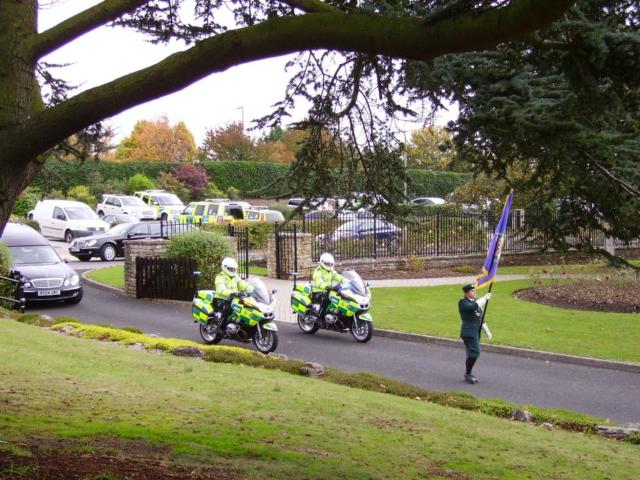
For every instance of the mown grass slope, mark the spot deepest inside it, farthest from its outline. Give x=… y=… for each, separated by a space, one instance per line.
x=270 y=424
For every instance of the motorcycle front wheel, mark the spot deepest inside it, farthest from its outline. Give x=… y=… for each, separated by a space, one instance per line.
x=209 y=333
x=267 y=341
x=362 y=331
x=305 y=327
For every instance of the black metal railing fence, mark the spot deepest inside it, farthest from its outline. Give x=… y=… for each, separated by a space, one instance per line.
x=432 y=234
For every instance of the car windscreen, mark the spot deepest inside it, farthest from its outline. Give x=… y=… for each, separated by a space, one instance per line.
x=132 y=201
x=80 y=213
x=34 y=255
x=260 y=291
x=355 y=282
x=168 y=200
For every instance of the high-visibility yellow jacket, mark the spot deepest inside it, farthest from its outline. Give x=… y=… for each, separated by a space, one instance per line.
x=322 y=279
x=227 y=284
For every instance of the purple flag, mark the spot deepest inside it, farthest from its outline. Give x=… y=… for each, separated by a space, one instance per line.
x=490 y=266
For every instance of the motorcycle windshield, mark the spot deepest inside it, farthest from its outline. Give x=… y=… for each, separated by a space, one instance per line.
x=260 y=291
x=355 y=283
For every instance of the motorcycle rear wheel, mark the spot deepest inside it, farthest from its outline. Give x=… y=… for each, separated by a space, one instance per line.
x=209 y=334
x=362 y=331
x=266 y=343
x=306 y=328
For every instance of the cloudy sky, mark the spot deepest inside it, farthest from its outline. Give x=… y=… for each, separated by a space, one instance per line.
x=107 y=53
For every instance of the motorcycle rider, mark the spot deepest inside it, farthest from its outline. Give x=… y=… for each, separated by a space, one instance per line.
x=324 y=279
x=227 y=285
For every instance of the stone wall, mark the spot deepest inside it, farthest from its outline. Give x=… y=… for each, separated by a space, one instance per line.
x=149 y=248
x=470 y=262
x=305 y=264
x=139 y=248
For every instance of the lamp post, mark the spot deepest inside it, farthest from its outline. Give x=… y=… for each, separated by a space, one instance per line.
x=241 y=108
x=405 y=161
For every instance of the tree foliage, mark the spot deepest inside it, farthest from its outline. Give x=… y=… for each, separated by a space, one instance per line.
x=431 y=147
x=555 y=115
x=157 y=141
x=351 y=71
x=228 y=143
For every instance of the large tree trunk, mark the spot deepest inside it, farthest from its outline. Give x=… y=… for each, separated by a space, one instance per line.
x=19 y=96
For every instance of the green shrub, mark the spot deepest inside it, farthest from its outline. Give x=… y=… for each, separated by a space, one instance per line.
x=208 y=248
x=139 y=182
x=213 y=191
x=233 y=193
x=7 y=289
x=258 y=232
x=81 y=194
x=26 y=202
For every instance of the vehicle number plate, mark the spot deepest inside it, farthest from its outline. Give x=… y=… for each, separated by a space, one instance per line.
x=48 y=293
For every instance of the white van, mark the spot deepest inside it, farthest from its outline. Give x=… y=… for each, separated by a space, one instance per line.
x=66 y=219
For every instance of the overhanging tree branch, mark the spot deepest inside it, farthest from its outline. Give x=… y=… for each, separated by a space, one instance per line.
x=311 y=6
x=402 y=37
x=102 y=13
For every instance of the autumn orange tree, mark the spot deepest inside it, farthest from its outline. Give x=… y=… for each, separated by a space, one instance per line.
x=157 y=141
x=365 y=43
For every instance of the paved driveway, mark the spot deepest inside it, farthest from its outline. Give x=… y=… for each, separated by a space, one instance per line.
x=601 y=392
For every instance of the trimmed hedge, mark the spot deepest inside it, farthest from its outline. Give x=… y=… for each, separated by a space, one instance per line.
x=425 y=183
x=250 y=178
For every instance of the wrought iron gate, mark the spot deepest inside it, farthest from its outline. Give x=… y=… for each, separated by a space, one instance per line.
x=241 y=234
x=286 y=251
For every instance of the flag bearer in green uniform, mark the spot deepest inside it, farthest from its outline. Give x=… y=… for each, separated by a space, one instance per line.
x=471 y=315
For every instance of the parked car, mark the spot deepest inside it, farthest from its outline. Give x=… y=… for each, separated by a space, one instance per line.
x=315 y=203
x=343 y=215
x=214 y=212
x=46 y=276
x=263 y=215
x=110 y=245
x=362 y=229
x=166 y=205
x=66 y=219
x=124 y=204
x=428 y=201
x=114 y=220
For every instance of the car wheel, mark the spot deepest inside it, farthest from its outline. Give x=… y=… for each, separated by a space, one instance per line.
x=108 y=252
x=164 y=217
x=68 y=236
x=101 y=214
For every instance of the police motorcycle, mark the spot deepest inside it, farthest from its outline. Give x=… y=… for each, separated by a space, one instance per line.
x=347 y=308
x=251 y=317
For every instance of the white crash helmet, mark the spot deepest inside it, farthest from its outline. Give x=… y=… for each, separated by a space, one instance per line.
x=230 y=266
x=326 y=261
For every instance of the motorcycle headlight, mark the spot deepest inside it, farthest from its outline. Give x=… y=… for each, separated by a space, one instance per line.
x=90 y=243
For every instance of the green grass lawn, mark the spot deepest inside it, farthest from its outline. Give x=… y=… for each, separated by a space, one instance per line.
x=268 y=424
x=434 y=311
x=114 y=276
